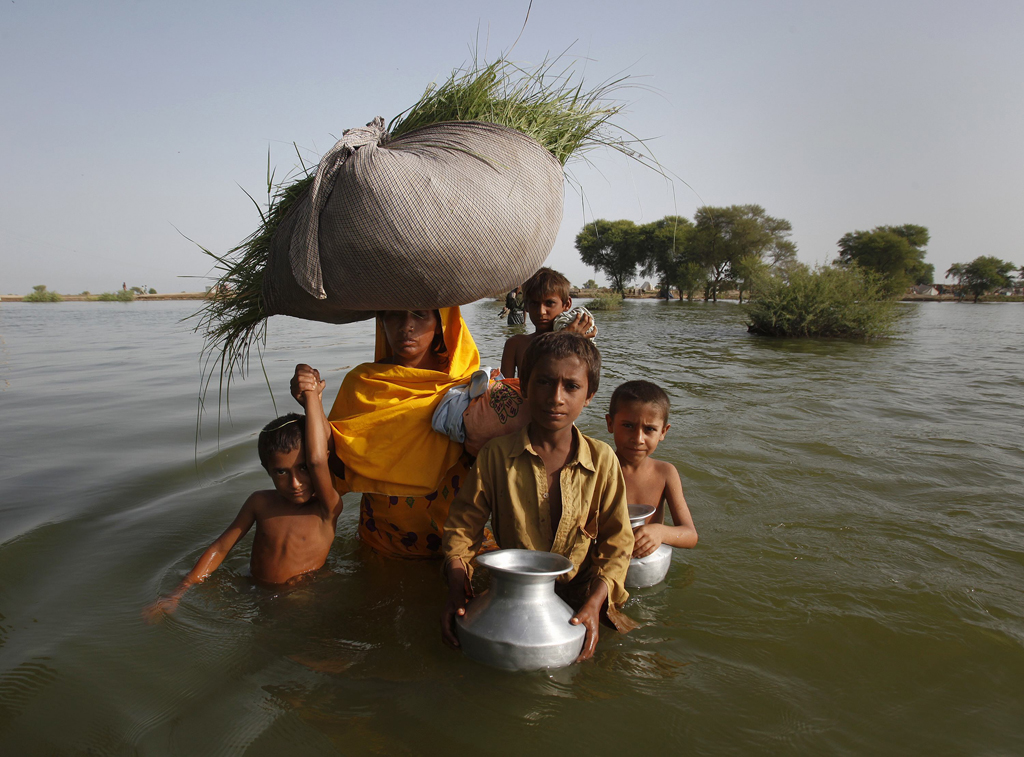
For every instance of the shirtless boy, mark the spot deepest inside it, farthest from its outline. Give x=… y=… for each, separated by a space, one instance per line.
x=638 y=420
x=295 y=521
x=548 y=487
x=546 y=295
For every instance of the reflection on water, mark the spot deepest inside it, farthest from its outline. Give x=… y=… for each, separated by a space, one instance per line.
x=856 y=589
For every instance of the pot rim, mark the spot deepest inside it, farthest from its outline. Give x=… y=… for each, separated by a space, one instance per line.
x=639 y=513
x=525 y=562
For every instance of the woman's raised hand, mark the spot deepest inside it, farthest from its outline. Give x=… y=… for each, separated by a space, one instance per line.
x=306 y=379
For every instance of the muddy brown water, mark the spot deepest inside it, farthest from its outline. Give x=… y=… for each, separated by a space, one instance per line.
x=857 y=588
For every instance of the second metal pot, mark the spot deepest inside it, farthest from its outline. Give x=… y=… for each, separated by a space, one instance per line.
x=652 y=569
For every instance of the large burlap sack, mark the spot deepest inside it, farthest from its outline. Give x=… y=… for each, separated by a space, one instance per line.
x=440 y=216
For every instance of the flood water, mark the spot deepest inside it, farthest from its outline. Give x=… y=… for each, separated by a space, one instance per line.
x=858 y=587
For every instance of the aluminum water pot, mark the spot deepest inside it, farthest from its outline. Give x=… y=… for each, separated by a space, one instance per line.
x=520 y=624
x=652 y=569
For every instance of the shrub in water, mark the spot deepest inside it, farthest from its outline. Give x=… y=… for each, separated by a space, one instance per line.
x=41 y=295
x=121 y=296
x=606 y=302
x=826 y=301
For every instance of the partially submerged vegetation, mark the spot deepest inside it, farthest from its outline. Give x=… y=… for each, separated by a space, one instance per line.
x=41 y=294
x=544 y=103
x=824 y=302
x=611 y=301
x=124 y=295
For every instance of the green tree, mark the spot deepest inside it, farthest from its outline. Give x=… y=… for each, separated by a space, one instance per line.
x=663 y=251
x=896 y=253
x=723 y=237
x=956 y=271
x=746 y=271
x=613 y=247
x=690 y=276
x=40 y=294
x=983 y=274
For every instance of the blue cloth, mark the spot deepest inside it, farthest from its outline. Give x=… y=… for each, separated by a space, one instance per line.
x=447 y=418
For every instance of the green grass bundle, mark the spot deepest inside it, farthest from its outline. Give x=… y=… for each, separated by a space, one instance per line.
x=544 y=103
x=824 y=302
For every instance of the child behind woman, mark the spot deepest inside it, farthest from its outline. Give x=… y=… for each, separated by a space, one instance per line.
x=638 y=420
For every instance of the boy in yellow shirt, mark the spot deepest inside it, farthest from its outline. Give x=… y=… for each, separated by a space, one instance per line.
x=549 y=488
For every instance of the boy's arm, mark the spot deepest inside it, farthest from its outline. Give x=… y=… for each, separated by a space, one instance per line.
x=305 y=380
x=318 y=431
x=610 y=559
x=682 y=532
x=614 y=537
x=589 y=616
x=209 y=561
x=463 y=535
x=508 y=357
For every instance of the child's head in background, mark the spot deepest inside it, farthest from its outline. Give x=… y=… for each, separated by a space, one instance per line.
x=638 y=418
x=546 y=296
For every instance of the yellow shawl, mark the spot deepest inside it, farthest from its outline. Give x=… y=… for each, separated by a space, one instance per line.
x=381 y=418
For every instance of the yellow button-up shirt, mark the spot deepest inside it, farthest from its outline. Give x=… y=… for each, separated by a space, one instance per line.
x=508 y=484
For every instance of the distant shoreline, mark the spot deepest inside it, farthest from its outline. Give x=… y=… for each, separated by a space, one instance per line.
x=93 y=297
x=579 y=293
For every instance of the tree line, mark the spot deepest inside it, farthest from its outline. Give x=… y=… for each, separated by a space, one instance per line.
x=727 y=247
x=741 y=246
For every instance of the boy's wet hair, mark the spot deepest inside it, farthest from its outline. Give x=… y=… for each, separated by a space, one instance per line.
x=640 y=391
x=561 y=345
x=546 y=281
x=281 y=435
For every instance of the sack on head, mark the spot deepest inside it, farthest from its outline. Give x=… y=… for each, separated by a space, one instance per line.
x=440 y=216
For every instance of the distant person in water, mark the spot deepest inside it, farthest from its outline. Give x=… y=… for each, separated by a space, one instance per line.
x=546 y=296
x=638 y=421
x=295 y=521
x=515 y=307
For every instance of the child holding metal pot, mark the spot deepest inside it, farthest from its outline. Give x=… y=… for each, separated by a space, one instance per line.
x=551 y=488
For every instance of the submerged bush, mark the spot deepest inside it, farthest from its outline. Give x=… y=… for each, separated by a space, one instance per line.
x=41 y=295
x=826 y=301
x=606 y=302
x=122 y=296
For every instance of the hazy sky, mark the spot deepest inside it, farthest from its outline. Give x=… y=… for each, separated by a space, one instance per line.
x=127 y=122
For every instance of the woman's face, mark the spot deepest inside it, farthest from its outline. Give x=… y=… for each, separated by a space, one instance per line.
x=410 y=334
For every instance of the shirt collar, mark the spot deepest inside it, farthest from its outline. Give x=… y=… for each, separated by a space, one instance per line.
x=582 y=457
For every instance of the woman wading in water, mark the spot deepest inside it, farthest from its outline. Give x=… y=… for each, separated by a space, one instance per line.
x=381 y=438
